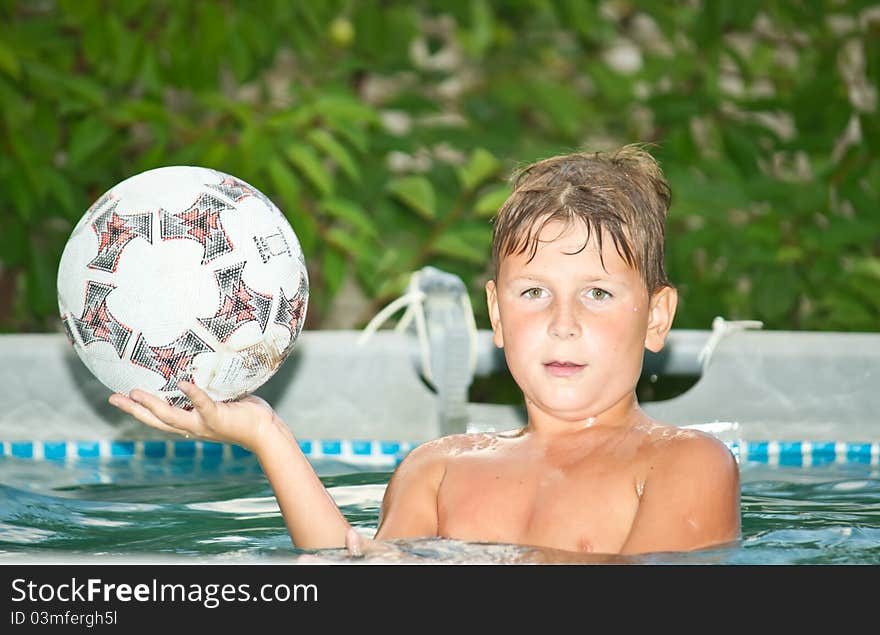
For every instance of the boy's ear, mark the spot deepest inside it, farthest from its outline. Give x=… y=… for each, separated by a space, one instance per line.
x=494 y=314
x=661 y=311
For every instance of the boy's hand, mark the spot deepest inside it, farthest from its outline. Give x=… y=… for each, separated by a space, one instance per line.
x=238 y=422
x=359 y=546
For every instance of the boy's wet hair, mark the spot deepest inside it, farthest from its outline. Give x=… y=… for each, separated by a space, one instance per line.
x=621 y=193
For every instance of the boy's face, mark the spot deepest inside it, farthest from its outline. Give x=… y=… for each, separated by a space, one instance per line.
x=573 y=331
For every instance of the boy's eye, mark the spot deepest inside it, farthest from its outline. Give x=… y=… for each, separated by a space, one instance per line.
x=599 y=294
x=534 y=293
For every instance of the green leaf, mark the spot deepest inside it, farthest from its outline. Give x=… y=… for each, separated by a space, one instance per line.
x=126 y=50
x=63 y=193
x=285 y=183
x=13 y=242
x=789 y=254
x=336 y=107
x=393 y=285
x=350 y=212
x=90 y=91
x=41 y=281
x=867 y=266
x=479 y=37
x=344 y=241
x=417 y=193
x=309 y=163
x=456 y=246
x=740 y=149
x=490 y=202
x=354 y=134
x=562 y=108
x=215 y=154
x=22 y=198
x=481 y=166
x=287 y=120
x=9 y=61
x=845 y=311
x=86 y=139
x=306 y=229
x=256 y=147
x=240 y=58
x=336 y=151
x=775 y=293
x=332 y=271
x=138 y=111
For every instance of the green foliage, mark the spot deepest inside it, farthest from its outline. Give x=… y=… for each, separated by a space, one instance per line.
x=386 y=131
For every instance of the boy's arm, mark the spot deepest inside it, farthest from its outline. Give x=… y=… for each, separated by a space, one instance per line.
x=409 y=508
x=690 y=499
x=312 y=517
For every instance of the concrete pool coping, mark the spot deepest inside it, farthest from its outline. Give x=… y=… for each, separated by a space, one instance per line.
x=755 y=384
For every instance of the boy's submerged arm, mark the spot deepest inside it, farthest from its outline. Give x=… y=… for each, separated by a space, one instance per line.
x=312 y=517
x=409 y=508
x=690 y=499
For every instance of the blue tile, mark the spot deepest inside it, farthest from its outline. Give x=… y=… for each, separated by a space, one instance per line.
x=238 y=451
x=389 y=447
x=824 y=447
x=211 y=448
x=88 y=449
x=362 y=447
x=54 y=449
x=858 y=453
x=2 y=448
x=23 y=449
x=757 y=452
x=790 y=453
x=122 y=448
x=306 y=447
x=211 y=462
x=823 y=453
x=154 y=449
x=331 y=447
x=185 y=448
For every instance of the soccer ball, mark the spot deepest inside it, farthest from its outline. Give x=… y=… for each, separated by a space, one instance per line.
x=183 y=273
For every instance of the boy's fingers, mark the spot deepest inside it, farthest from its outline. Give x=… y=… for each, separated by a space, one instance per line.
x=353 y=544
x=200 y=399
x=163 y=411
x=140 y=413
x=359 y=546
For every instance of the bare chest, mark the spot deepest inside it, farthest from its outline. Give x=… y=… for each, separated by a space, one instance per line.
x=587 y=506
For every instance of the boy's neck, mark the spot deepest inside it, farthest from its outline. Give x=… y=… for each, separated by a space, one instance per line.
x=624 y=414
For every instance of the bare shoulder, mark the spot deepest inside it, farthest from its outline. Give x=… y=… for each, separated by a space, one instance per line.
x=688 y=449
x=689 y=495
x=427 y=462
x=409 y=507
x=444 y=448
x=687 y=458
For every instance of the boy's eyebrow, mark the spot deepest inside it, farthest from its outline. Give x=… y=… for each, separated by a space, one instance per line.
x=527 y=278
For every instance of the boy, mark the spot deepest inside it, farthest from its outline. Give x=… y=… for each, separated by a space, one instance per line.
x=579 y=292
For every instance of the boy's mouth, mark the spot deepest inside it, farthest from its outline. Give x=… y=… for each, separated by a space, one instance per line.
x=559 y=368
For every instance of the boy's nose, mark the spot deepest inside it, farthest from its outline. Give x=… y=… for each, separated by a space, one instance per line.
x=564 y=323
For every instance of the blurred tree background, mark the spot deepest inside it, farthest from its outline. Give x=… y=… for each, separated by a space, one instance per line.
x=386 y=130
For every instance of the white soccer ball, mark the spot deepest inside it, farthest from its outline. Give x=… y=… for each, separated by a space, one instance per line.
x=183 y=273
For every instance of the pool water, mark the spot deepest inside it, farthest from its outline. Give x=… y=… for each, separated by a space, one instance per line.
x=179 y=509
